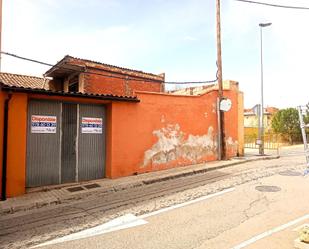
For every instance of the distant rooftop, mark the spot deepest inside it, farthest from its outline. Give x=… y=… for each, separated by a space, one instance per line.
x=26 y=81
x=200 y=90
x=267 y=110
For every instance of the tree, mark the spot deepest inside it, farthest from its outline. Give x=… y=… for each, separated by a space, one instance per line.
x=286 y=122
x=306 y=118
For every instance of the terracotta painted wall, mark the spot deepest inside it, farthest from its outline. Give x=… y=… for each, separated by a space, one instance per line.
x=231 y=124
x=2 y=99
x=164 y=131
x=116 y=86
x=17 y=130
x=241 y=129
x=159 y=132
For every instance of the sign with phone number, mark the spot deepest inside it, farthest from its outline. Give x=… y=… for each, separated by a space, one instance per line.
x=43 y=124
x=92 y=125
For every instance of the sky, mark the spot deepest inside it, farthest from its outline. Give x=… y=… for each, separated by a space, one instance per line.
x=177 y=37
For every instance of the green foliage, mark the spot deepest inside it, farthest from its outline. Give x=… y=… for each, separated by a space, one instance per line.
x=306 y=118
x=286 y=122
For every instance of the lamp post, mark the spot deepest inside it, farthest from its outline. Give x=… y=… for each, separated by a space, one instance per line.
x=261 y=117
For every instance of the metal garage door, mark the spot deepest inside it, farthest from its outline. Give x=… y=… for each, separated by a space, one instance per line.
x=66 y=143
x=43 y=143
x=91 y=142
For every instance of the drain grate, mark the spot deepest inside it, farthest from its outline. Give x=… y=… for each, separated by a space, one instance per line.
x=75 y=189
x=91 y=186
x=289 y=173
x=265 y=188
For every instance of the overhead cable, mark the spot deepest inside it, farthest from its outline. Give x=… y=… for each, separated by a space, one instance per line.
x=274 y=5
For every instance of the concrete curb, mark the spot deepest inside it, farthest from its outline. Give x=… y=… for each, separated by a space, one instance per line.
x=50 y=201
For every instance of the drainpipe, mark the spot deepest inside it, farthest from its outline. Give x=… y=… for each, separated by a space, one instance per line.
x=4 y=148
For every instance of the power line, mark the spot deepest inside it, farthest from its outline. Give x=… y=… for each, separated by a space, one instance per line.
x=26 y=59
x=274 y=5
x=106 y=75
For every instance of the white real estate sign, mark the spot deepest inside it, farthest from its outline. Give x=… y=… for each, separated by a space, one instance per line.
x=43 y=124
x=92 y=125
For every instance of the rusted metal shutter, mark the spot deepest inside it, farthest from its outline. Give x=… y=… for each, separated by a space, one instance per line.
x=43 y=143
x=91 y=142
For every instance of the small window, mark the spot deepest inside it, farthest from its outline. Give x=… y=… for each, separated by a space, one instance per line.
x=73 y=84
x=73 y=87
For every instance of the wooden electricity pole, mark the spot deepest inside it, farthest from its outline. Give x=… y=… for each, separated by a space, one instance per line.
x=221 y=142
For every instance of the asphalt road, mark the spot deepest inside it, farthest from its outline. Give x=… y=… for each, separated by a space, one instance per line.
x=219 y=222
x=224 y=221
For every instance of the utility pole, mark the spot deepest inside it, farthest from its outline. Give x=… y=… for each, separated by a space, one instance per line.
x=221 y=139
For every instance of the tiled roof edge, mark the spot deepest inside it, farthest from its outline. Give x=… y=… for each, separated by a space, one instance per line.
x=73 y=94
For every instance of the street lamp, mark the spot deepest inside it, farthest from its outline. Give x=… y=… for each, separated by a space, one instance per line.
x=261 y=117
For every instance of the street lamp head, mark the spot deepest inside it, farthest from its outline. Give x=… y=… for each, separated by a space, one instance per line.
x=265 y=24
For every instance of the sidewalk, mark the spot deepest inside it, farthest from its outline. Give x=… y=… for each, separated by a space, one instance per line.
x=54 y=195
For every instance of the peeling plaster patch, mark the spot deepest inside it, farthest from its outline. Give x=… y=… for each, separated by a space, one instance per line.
x=214 y=108
x=229 y=141
x=231 y=145
x=163 y=119
x=172 y=145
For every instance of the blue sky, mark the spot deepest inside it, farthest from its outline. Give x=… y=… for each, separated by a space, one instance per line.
x=175 y=37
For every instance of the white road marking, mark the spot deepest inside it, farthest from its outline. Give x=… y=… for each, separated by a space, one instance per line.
x=123 y=222
x=126 y=221
x=186 y=203
x=270 y=232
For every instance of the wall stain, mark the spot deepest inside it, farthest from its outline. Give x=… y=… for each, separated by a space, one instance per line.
x=163 y=119
x=231 y=146
x=174 y=144
x=214 y=108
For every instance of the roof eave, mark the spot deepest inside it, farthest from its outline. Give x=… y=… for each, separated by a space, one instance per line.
x=62 y=64
x=4 y=87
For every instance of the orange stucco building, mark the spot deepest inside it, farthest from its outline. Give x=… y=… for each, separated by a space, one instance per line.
x=54 y=136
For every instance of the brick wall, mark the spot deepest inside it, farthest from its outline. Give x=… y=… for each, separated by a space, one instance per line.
x=117 y=86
